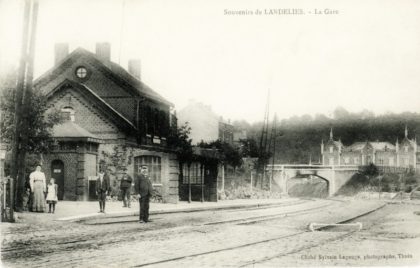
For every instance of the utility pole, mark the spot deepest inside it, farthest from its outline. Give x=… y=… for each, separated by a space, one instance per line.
x=264 y=139
x=23 y=99
x=273 y=138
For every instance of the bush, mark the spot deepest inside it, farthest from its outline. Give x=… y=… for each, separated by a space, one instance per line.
x=386 y=188
x=408 y=189
x=411 y=179
x=390 y=178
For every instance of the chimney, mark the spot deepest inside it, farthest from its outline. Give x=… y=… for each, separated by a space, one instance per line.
x=61 y=51
x=134 y=68
x=103 y=51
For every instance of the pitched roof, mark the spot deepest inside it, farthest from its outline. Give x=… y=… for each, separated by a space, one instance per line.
x=119 y=119
x=71 y=130
x=357 y=146
x=338 y=144
x=113 y=70
x=378 y=146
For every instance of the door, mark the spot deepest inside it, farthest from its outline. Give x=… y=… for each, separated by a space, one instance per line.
x=57 y=172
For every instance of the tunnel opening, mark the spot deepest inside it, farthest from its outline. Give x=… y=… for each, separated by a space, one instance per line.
x=308 y=186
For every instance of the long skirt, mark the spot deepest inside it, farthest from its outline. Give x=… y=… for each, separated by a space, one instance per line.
x=38 y=199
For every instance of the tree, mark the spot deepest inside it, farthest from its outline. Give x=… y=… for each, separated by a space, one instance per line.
x=249 y=148
x=179 y=140
x=230 y=155
x=370 y=171
x=37 y=129
x=39 y=124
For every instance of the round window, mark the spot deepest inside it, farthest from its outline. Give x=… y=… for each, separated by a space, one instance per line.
x=81 y=72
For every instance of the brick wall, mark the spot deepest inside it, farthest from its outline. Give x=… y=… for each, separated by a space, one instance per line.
x=169 y=168
x=70 y=160
x=85 y=115
x=97 y=81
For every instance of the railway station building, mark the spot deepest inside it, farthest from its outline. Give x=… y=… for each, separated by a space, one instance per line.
x=111 y=119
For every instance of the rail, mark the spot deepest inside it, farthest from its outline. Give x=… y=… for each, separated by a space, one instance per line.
x=312 y=167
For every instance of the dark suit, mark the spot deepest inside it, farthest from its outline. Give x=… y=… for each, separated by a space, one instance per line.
x=102 y=188
x=144 y=188
x=125 y=187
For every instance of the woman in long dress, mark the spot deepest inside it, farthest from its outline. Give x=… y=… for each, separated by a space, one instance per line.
x=38 y=189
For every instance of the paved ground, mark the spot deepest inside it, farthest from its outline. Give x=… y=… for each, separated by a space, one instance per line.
x=71 y=210
x=268 y=236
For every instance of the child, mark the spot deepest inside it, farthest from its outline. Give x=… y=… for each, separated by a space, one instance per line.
x=52 y=195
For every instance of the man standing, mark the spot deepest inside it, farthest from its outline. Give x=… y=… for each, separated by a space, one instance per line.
x=125 y=187
x=103 y=187
x=144 y=190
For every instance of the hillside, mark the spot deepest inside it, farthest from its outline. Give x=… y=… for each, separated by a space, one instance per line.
x=299 y=138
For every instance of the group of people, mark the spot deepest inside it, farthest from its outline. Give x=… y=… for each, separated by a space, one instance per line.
x=41 y=193
x=142 y=186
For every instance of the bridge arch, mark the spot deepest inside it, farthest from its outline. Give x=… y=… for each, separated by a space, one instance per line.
x=336 y=176
x=303 y=183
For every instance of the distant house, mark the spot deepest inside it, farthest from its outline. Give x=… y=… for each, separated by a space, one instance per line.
x=404 y=154
x=205 y=125
x=239 y=136
x=111 y=120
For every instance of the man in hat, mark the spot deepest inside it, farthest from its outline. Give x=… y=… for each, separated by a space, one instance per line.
x=103 y=187
x=144 y=190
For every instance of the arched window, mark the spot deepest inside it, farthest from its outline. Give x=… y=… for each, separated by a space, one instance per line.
x=154 y=166
x=68 y=113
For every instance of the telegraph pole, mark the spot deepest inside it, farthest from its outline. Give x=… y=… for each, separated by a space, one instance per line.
x=273 y=135
x=23 y=99
x=264 y=138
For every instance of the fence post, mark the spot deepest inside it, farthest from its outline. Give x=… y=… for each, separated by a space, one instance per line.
x=251 y=181
x=12 y=200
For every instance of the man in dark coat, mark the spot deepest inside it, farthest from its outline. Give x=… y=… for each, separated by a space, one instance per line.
x=125 y=187
x=144 y=190
x=103 y=187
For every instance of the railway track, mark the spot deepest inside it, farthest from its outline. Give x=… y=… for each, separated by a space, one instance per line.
x=120 y=219
x=279 y=238
x=90 y=241
x=86 y=239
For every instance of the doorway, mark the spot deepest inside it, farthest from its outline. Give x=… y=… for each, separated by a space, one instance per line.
x=57 y=172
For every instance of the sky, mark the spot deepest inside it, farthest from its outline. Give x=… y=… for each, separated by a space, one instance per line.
x=365 y=57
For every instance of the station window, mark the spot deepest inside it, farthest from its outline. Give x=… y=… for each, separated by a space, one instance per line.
x=346 y=160
x=68 y=113
x=81 y=72
x=195 y=173
x=154 y=166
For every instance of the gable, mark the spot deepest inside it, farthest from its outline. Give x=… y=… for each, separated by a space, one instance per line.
x=330 y=144
x=91 y=112
x=112 y=73
x=118 y=97
x=406 y=143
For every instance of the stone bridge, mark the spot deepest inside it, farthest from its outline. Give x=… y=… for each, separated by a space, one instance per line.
x=335 y=176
